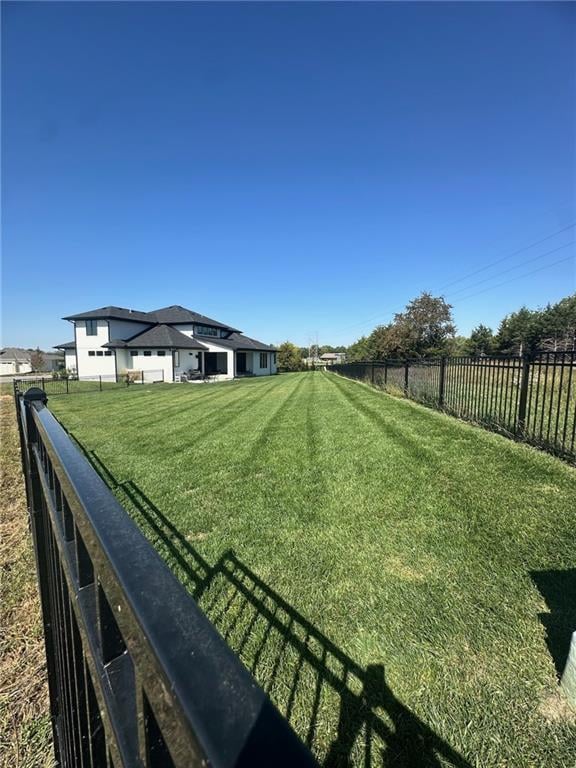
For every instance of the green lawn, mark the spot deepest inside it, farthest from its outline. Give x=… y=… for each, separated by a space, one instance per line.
x=380 y=567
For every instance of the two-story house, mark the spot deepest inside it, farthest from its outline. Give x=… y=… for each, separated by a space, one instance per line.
x=112 y=341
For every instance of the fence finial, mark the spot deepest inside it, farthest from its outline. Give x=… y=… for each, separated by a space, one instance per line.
x=35 y=393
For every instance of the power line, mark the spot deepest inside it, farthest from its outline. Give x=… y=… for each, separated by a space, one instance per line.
x=511 y=269
x=509 y=256
x=518 y=277
x=382 y=315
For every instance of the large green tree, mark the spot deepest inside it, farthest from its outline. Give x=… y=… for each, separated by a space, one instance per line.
x=558 y=326
x=425 y=327
x=550 y=329
x=289 y=356
x=481 y=341
x=359 y=351
x=458 y=347
x=520 y=332
x=329 y=348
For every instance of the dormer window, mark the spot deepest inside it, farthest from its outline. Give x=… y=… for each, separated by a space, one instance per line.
x=205 y=330
x=91 y=327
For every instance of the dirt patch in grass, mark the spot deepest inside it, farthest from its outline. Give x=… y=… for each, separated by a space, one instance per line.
x=556 y=709
x=25 y=739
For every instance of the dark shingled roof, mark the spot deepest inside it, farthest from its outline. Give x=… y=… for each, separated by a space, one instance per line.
x=178 y=314
x=158 y=337
x=66 y=345
x=238 y=341
x=169 y=315
x=114 y=313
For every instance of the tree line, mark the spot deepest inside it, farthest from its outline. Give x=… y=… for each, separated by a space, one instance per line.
x=426 y=328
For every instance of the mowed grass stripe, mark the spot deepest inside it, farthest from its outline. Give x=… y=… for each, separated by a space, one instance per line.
x=477 y=480
x=404 y=536
x=212 y=393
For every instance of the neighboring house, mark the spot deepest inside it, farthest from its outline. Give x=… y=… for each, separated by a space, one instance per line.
x=111 y=341
x=15 y=360
x=332 y=358
x=328 y=358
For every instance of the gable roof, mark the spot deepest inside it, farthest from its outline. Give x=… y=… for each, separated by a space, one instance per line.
x=169 y=315
x=158 y=337
x=238 y=341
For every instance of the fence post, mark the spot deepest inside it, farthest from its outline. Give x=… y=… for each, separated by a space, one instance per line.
x=523 y=400
x=142 y=376
x=385 y=372
x=442 y=379
x=406 y=369
x=67 y=386
x=100 y=381
x=372 y=371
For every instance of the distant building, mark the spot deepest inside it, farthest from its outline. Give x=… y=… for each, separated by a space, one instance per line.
x=328 y=358
x=332 y=358
x=15 y=360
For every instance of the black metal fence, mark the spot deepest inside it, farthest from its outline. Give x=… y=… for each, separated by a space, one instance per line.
x=530 y=397
x=137 y=675
x=66 y=385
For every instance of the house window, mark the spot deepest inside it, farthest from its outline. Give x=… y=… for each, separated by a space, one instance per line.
x=177 y=358
x=205 y=330
x=107 y=353
x=91 y=353
x=133 y=353
x=99 y=353
x=263 y=359
x=161 y=353
x=91 y=327
x=147 y=353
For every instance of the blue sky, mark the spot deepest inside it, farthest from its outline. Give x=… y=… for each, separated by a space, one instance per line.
x=293 y=169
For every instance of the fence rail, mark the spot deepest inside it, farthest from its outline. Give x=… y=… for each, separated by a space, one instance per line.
x=530 y=397
x=137 y=675
x=68 y=385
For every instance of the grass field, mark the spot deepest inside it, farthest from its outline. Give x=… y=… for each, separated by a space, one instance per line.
x=397 y=580
x=487 y=391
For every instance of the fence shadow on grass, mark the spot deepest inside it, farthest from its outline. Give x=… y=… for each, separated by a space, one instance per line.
x=346 y=714
x=558 y=589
